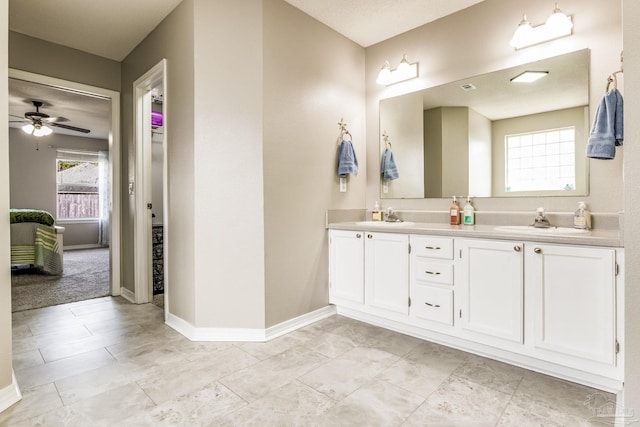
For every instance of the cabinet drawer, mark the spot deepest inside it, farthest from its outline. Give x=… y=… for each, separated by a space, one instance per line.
x=425 y=269
x=432 y=303
x=433 y=247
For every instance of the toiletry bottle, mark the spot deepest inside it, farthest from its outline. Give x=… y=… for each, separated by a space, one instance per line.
x=454 y=212
x=582 y=217
x=376 y=213
x=469 y=214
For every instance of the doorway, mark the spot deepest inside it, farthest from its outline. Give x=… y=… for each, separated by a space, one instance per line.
x=111 y=233
x=151 y=247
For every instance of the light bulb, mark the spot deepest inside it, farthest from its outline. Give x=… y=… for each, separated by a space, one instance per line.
x=28 y=128
x=385 y=74
x=404 y=66
x=558 y=21
x=522 y=33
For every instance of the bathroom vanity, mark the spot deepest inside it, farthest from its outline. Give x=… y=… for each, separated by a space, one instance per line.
x=549 y=302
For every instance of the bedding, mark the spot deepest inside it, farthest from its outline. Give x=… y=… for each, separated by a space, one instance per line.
x=34 y=241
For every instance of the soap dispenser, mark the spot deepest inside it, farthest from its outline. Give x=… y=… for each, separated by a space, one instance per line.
x=454 y=212
x=376 y=213
x=582 y=217
x=469 y=214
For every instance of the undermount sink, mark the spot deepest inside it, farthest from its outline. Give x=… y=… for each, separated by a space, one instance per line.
x=528 y=229
x=384 y=223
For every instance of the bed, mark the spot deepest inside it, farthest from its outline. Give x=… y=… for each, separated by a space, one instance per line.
x=36 y=241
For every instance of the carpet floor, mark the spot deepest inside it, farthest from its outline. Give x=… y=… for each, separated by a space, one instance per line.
x=86 y=276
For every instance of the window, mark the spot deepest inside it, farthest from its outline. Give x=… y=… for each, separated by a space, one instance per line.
x=78 y=189
x=543 y=160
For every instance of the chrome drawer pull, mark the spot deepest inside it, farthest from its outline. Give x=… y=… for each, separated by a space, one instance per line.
x=537 y=250
x=432 y=305
x=433 y=273
x=433 y=248
x=358 y=235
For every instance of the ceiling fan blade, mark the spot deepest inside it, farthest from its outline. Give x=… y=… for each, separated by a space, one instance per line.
x=77 y=129
x=55 y=119
x=18 y=117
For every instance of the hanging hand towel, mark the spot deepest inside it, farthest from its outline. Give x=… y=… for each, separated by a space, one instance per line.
x=607 y=130
x=347 y=160
x=388 y=166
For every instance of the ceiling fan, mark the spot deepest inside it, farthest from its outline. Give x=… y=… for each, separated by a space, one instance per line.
x=38 y=123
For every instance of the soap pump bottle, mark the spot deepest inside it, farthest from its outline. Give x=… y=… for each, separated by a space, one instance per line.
x=582 y=217
x=376 y=213
x=454 y=212
x=468 y=216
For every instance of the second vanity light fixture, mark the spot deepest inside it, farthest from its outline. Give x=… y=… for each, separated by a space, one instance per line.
x=405 y=71
x=557 y=25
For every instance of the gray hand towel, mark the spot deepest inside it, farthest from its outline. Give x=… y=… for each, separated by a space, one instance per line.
x=347 y=160
x=607 y=131
x=388 y=166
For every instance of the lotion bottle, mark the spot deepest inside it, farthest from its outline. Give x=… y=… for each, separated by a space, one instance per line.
x=582 y=217
x=468 y=217
x=454 y=212
x=376 y=213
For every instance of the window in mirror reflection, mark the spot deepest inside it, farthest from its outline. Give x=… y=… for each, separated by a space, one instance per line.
x=541 y=161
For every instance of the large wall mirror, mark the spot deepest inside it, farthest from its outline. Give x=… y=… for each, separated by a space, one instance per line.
x=491 y=135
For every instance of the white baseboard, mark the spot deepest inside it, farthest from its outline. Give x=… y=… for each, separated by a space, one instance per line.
x=127 y=294
x=10 y=394
x=194 y=333
x=87 y=246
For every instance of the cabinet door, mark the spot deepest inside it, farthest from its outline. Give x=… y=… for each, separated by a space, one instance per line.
x=492 y=289
x=387 y=271
x=346 y=259
x=573 y=300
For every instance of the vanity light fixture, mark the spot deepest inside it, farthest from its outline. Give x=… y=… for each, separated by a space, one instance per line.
x=37 y=129
x=404 y=71
x=558 y=25
x=529 y=76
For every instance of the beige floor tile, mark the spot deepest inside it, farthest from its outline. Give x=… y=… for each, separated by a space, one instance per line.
x=43 y=374
x=341 y=376
x=262 y=378
x=491 y=373
x=27 y=359
x=35 y=401
x=374 y=404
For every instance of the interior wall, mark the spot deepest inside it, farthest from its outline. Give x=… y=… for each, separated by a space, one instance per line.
x=172 y=39
x=6 y=356
x=632 y=205
x=480 y=44
x=313 y=78
x=33 y=177
x=41 y=57
x=228 y=186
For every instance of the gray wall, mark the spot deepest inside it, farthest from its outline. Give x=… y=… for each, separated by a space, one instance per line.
x=173 y=40
x=313 y=77
x=480 y=44
x=6 y=356
x=33 y=177
x=631 y=92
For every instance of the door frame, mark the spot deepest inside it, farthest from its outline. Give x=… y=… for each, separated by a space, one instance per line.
x=114 y=159
x=155 y=77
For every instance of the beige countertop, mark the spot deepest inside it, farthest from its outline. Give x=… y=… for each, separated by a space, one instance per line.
x=605 y=237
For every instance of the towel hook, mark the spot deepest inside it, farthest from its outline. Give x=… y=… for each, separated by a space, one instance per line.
x=385 y=138
x=612 y=77
x=343 y=130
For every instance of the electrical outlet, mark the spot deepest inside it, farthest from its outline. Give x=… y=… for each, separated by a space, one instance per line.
x=385 y=187
x=343 y=185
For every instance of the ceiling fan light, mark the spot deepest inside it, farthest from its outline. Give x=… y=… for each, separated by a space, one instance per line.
x=46 y=130
x=29 y=128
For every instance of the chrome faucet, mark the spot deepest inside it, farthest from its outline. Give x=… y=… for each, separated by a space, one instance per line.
x=541 y=221
x=392 y=216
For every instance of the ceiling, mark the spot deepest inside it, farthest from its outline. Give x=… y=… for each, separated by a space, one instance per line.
x=112 y=29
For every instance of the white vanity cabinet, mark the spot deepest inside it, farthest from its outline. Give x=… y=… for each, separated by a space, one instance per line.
x=346 y=267
x=369 y=270
x=431 y=280
x=572 y=297
x=386 y=276
x=492 y=290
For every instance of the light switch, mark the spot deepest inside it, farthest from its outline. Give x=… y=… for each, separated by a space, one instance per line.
x=343 y=185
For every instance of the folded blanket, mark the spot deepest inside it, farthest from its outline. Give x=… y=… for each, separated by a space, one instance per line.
x=347 y=160
x=30 y=215
x=388 y=166
x=607 y=131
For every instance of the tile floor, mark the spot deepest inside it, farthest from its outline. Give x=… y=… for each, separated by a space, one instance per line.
x=106 y=362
